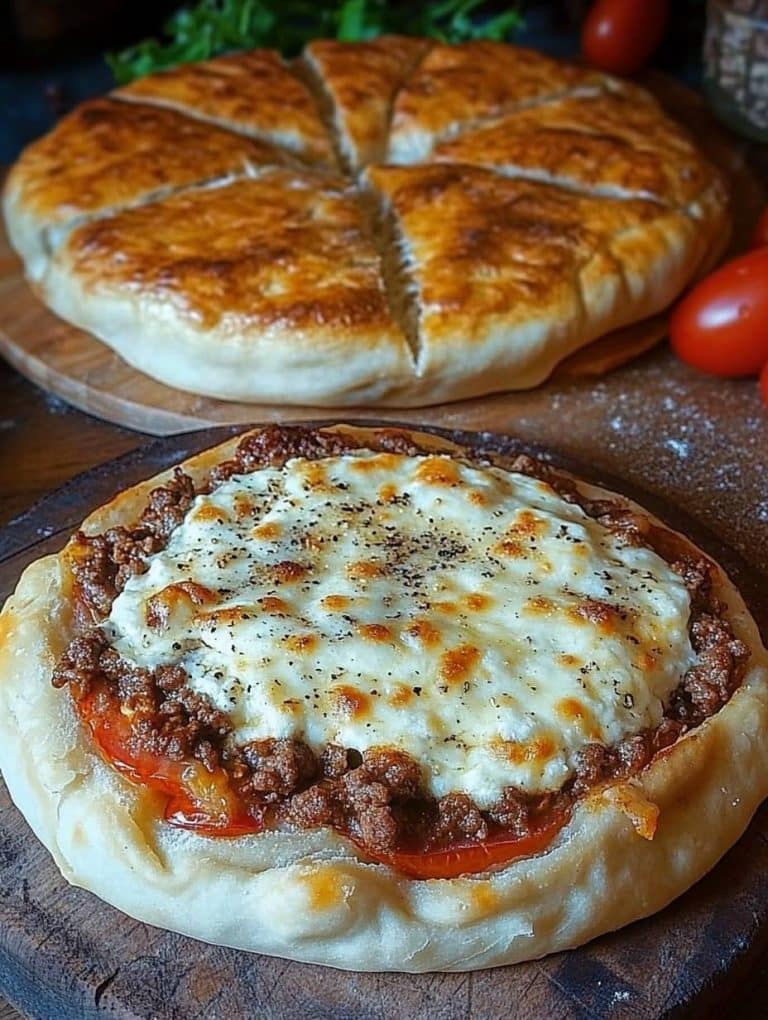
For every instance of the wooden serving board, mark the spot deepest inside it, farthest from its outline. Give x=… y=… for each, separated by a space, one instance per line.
x=73 y=365
x=66 y=955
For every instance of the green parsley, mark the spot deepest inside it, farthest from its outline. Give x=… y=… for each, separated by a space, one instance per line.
x=211 y=27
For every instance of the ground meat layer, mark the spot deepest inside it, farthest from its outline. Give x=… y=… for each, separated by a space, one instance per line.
x=377 y=797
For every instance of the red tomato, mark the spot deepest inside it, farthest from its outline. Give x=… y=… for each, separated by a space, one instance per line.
x=764 y=383
x=721 y=326
x=196 y=798
x=468 y=860
x=760 y=235
x=620 y=35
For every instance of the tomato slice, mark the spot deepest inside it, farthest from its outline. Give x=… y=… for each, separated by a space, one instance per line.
x=474 y=857
x=205 y=801
x=196 y=798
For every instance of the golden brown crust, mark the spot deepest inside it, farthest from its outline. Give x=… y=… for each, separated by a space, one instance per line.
x=361 y=80
x=254 y=93
x=106 y=155
x=486 y=302
x=308 y=895
x=278 y=265
x=282 y=248
x=524 y=272
x=606 y=142
x=456 y=85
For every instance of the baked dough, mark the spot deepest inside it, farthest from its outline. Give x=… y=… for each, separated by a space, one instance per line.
x=360 y=83
x=458 y=87
x=107 y=156
x=309 y=895
x=475 y=162
x=512 y=275
x=253 y=93
x=275 y=272
x=614 y=143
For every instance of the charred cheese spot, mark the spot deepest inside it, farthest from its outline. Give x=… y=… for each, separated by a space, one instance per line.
x=476 y=601
x=210 y=513
x=179 y=597
x=379 y=462
x=349 y=702
x=269 y=531
x=605 y=617
x=336 y=603
x=529 y=525
x=273 y=604
x=229 y=617
x=539 y=605
x=476 y=497
x=566 y=659
x=375 y=632
x=458 y=664
x=425 y=632
x=387 y=492
x=288 y=572
x=438 y=471
x=511 y=547
x=314 y=475
x=363 y=570
x=572 y=711
x=243 y=506
x=311 y=542
x=535 y=751
x=301 y=643
x=448 y=608
x=402 y=696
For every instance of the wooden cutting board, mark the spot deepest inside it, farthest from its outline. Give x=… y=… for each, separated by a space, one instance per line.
x=73 y=365
x=64 y=954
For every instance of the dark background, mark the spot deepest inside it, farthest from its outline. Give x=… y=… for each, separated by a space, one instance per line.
x=51 y=51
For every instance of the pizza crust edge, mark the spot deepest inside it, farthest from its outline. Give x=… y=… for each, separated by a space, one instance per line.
x=305 y=895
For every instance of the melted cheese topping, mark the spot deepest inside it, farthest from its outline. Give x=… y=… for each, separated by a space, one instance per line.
x=470 y=617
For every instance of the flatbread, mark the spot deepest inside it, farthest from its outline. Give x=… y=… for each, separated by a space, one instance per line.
x=608 y=143
x=360 y=83
x=253 y=93
x=482 y=163
x=311 y=894
x=515 y=275
x=458 y=86
x=274 y=271
x=107 y=156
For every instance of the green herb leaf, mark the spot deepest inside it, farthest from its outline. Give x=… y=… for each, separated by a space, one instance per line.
x=211 y=27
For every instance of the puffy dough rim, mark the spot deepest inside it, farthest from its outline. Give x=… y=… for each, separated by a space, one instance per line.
x=249 y=365
x=306 y=896
x=377 y=367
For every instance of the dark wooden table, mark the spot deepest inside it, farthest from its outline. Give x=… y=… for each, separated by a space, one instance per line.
x=42 y=444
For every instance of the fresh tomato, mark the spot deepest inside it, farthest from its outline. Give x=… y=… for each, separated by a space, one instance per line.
x=760 y=235
x=468 y=860
x=620 y=35
x=764 y=383
x=721 y=326
x=195 y=798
